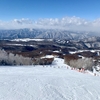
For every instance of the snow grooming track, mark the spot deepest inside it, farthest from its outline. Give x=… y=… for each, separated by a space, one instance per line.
x=47 y=83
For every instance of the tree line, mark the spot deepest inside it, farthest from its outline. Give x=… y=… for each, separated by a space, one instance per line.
x=13 y=59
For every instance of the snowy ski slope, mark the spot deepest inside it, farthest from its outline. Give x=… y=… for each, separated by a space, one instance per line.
x=47 y=83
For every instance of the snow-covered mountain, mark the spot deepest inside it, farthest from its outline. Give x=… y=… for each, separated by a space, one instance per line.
x=54 y=82
x=43 y=33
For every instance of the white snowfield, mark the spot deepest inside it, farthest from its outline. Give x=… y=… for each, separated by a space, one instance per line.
x=47 y=83
x=28 y=39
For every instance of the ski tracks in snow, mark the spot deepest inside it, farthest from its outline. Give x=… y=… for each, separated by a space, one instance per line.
x=36 y=83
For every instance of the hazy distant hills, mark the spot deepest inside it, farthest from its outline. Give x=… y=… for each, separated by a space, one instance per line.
x=43 y=33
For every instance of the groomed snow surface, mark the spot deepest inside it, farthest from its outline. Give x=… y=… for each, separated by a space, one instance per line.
x=52 y=82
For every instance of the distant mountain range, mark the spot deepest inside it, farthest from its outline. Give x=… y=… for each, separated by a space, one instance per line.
x=44 y=34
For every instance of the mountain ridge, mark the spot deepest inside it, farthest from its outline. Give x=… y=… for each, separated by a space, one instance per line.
x=44 y=34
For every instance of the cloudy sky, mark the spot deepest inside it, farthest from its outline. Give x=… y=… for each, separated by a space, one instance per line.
x=81 y=15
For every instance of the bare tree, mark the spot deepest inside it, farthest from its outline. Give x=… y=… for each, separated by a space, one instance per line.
x=86 y=63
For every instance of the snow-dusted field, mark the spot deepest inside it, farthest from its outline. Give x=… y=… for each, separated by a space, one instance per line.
x=28 y=39
x=47 y=83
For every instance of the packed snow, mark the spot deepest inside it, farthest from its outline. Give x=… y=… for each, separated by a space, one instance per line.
x=47 y=83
